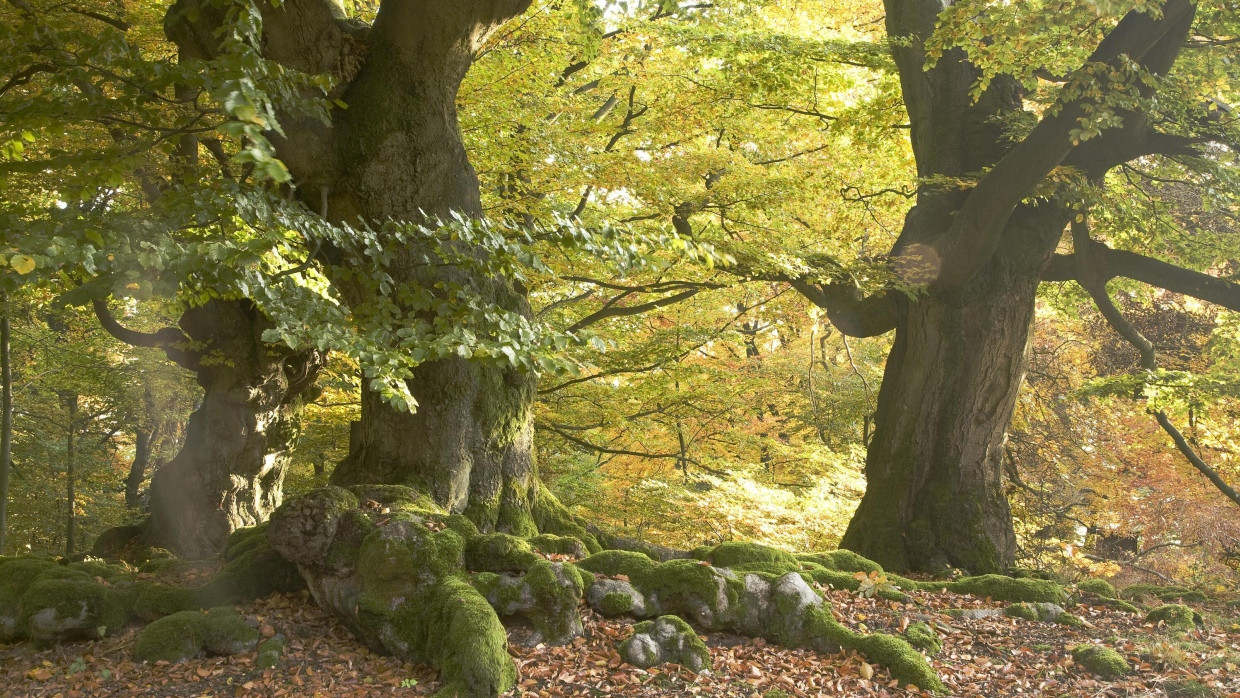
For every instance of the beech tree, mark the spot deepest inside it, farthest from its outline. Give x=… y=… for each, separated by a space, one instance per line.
x=1007 y=146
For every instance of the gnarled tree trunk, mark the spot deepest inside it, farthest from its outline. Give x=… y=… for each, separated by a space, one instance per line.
x=935 y=491
x=230 y=470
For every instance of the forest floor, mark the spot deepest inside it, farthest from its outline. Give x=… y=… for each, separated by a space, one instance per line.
x=995 y=656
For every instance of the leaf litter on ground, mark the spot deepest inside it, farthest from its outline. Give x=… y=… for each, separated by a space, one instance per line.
x=993 y=656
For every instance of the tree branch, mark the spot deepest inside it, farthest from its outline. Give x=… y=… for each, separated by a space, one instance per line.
x=171 y=340
x=953 y=257
x=1095 y=284
x=1111 y=263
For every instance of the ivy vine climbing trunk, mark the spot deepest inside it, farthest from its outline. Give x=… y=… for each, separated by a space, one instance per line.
x=230 y=470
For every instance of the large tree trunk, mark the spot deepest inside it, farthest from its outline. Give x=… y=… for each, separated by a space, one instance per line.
x=230 y=471
x=934 y=493
x=400 y=156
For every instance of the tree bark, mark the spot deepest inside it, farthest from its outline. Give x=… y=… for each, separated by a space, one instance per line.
x=934 y=494
x=137 y=469
x=399 y=156
x=6 y=423
x=230 y=470
x=71 y=406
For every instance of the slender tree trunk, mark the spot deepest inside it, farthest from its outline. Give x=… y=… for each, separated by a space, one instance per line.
x=230 y=470
x=6 y=423
x=137 y=469
x=934 y=492
x=71 y=406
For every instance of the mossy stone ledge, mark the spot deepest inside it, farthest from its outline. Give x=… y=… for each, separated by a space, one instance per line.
x=752 y=599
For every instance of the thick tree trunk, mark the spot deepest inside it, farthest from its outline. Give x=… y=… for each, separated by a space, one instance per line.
x=934 y=491
x=230 y=470
x=400 y=156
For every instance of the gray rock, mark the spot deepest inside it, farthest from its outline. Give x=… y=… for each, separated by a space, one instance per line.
x=604 y=587
x=665 y=639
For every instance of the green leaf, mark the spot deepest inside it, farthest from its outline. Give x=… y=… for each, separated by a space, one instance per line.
x=22 y=263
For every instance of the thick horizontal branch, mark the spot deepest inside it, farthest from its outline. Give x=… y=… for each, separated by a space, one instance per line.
x=171 y=340
x=1154 y=272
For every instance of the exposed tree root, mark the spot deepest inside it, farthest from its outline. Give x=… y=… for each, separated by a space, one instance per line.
x=411 y=580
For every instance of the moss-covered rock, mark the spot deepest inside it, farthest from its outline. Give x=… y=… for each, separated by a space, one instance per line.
x=843 y=560
x=152 y=601
x=1022 y=611
x=782 y=608
x=1000 y=588
x=1096 y=585
x=1071 y=620
x=54 y=610
x=924 y=638
x=1175 y=617
x=172 y=638
x=1116 y=604
x=1103 y=661
x=16 y=576
x=665 y=639
x=614 y=597
x=186 y=634
x=551 y=544
x=393 y=569
x=904 y=662
x=1167 y=593
x=270 y=652
x=1041 y=610
x=303 y=528
x=499 y=552
x=547 y=595
x=253 y=574
x=733 y=554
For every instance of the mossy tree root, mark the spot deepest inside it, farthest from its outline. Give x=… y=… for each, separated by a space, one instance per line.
x=391 y=565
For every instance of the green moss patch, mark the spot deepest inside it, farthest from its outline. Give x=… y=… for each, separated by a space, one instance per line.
x=1102 y=661
x=1175 y=617
x=1000 y=588
x=843 y=560
x=924 y=638
x=1101 y=587
x=270 y=652
x=185 y=635
x=733 y=554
